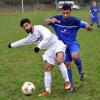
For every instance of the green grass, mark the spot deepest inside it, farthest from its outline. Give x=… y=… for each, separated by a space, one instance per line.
x=22 y=64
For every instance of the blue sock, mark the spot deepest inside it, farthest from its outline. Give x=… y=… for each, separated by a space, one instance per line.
x=70 y=76
x=79 y=64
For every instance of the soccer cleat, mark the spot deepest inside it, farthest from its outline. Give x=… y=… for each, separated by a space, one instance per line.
x=44 y=93
x=67 y=85
x=70 y=90
x=91 y=25
x=82 y=76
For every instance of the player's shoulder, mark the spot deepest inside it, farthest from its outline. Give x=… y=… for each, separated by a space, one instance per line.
x=74 y=20
x=38 y=26
x=97 y=7
x=91 y=7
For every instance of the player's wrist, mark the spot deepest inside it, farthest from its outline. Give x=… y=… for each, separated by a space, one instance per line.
x=9 y=45
x=36 y=49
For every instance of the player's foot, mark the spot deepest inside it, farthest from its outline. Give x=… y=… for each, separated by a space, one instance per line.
x=44 y=93
x=98 y=26
x=91 y=25
x=70 y=90
x=82 y=76
x=67 y=85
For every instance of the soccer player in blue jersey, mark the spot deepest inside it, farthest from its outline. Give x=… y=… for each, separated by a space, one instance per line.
x=66 y=28
x=94 y=14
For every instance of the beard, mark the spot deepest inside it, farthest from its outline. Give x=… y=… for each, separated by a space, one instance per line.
x=29 y=30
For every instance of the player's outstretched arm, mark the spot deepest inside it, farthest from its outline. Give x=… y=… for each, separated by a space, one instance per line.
x=21 y=42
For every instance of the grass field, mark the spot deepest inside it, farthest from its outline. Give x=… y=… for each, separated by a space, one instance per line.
x=22 y=64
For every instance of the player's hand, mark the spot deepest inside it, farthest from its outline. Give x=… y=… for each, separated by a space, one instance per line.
x=53 y=20
x=9 y=45
x=89 y=28
x=92 y=16
x=36 y=49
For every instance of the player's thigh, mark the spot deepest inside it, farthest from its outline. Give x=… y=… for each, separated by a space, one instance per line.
x=60 y=57
x=92 y=20
x=49 y=56
x=60 y=49
x=74 y=50
x=68 y=56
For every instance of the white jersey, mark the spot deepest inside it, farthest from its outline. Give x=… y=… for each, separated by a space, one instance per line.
x=41 y=36
x=44 y=39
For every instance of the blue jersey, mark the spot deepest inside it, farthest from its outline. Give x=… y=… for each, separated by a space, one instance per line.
x=66 y=29
x=94 y=11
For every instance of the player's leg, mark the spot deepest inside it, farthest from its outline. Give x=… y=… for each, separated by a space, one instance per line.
x=92 y=20
x=74 y=49
x=68 y=66
x=59 y=59
x=60 y=56
x=48 y=63
x=47 y=79
x=97 y=22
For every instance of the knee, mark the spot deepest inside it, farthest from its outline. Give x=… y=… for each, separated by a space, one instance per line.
x=75 y=56
x=59 y=61
x=48 y=67
x=68 y=65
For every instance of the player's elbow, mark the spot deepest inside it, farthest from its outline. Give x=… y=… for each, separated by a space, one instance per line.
x=46 y=22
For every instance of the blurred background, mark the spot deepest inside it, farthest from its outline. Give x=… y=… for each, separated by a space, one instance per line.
x=31 y=5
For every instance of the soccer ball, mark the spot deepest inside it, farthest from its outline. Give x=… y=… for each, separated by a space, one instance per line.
x=28 y=88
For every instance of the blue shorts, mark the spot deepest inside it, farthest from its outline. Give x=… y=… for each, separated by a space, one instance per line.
x=72 y=48
x=95 y=20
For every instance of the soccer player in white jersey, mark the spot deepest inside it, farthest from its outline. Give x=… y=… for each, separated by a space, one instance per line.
x=55 y=53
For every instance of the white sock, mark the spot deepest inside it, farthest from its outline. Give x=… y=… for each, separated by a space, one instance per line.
x=64 y=72
x=47 y=81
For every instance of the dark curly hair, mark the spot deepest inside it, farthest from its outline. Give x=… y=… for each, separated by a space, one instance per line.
x=66 y=7
x=25 y=20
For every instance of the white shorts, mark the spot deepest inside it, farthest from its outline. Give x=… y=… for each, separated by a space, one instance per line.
x=50 y=54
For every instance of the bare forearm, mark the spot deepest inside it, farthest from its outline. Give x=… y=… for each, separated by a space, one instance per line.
x=50 y=20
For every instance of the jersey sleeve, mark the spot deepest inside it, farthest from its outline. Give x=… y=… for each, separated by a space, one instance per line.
x=76 y=21
x=90 y=10
x=46 y=34
x=24 y=41
x=56 y=16
x=83 y=24
x=79 y=23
